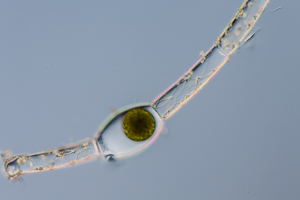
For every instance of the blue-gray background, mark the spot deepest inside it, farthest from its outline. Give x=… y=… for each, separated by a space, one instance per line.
x=65 y=64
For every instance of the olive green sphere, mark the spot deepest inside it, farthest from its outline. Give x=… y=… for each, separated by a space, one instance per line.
x=138 y=124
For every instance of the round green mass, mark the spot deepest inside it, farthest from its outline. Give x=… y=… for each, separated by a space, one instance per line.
x=138 y=124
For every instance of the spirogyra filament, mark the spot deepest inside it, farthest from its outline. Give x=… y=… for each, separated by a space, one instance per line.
x=132 y=129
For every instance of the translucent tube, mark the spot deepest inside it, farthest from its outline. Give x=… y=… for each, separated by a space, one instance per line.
x=53 y=159
x=225 y=46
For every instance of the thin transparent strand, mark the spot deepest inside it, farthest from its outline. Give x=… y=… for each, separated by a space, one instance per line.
x=228 y=42
x=53 y=159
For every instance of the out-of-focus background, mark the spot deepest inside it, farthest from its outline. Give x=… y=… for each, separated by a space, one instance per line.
x=65 y=65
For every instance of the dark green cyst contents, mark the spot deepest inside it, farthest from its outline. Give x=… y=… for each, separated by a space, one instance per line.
x=138 y=124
